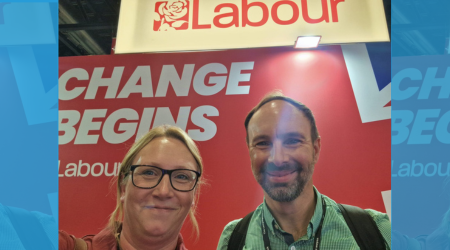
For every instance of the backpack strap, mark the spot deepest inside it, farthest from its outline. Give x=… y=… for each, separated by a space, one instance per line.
x=237 y=238
x=363 y=228
x=29 y=229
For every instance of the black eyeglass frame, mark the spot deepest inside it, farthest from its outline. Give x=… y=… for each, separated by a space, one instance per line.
x=164 y=172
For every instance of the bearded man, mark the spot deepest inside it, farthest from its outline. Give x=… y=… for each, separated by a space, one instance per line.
x=284 y=145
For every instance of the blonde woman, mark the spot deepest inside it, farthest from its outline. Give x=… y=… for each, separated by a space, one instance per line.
x=157 y=188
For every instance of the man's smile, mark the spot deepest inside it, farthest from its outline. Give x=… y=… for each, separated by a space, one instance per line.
x=281 y=176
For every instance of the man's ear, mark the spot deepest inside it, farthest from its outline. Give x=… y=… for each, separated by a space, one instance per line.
x=317 y=145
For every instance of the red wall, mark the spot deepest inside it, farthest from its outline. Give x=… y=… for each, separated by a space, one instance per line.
x=353 y=168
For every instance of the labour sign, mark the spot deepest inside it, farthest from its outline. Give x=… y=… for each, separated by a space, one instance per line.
x=180 y=25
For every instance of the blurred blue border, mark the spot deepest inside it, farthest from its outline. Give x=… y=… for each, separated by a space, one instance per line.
x=420 y=125
x=28 y=128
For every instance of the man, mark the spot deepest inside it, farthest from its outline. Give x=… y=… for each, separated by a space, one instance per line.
x=284 y=145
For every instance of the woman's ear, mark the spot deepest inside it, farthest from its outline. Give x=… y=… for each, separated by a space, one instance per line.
x=195 y=198
x=122 y=198
x=122 y=192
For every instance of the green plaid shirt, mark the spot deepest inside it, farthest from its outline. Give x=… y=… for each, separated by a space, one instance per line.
x=335 y=233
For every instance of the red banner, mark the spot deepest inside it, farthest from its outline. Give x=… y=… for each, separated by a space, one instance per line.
x=106 y=102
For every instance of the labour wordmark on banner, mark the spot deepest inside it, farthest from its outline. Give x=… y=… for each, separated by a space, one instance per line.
x=370 y=99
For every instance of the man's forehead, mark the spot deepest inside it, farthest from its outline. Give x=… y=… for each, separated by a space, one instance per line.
x=282 y=110
x=278 y=116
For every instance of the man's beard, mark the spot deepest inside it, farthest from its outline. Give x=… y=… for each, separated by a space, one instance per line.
x=286 y=192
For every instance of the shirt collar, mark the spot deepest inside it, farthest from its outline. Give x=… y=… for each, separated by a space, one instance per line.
x=313 y=224
x=106 y=240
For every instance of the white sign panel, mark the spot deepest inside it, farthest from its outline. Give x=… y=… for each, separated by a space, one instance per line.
x=387 y=202
x=180 y=25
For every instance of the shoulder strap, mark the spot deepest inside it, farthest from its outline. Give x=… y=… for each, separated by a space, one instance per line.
x=364 y=229
x=237 y=238
x=29 y=229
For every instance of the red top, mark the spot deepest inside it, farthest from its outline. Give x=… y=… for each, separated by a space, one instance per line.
x=104 y=240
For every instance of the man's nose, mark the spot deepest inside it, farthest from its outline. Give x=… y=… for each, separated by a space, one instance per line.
x=278 y=155
x=164 y=188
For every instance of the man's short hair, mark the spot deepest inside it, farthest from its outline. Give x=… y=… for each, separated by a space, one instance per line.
x=277 y=95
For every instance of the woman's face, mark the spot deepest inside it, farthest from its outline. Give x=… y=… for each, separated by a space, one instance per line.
x=160 y=210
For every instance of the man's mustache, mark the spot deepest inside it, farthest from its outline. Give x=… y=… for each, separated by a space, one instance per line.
x=270 y=167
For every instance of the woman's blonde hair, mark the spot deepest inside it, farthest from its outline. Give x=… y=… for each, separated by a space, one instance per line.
x=122 y=177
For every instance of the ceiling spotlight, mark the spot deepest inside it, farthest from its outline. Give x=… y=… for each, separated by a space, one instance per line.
x=307 y=42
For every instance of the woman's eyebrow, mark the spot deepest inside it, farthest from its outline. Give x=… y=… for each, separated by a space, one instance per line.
x=148 y=163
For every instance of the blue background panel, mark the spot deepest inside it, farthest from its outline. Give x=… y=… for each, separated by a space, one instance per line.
x=28 y=128
x=420 y=125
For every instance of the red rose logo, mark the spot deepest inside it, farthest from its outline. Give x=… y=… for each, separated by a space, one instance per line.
x=171 y=15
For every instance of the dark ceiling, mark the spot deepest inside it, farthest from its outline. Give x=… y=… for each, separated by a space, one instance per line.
x=87 y=27
x=420 y=27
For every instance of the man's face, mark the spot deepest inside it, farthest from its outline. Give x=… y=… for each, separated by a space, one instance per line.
x=281 y=150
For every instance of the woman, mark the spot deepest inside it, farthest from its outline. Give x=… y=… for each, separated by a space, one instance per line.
x=157 y=187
